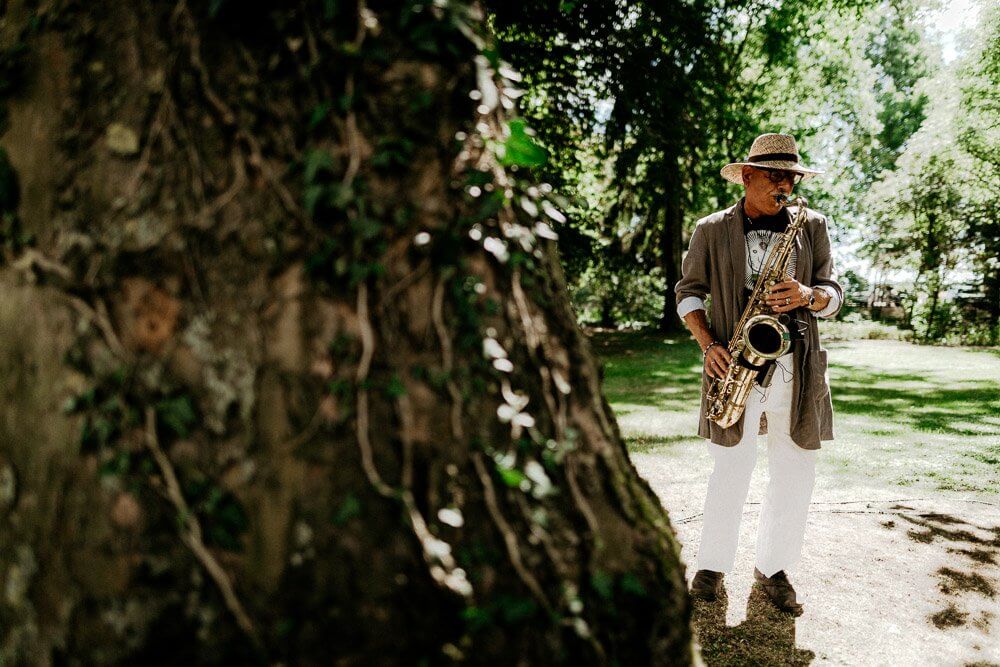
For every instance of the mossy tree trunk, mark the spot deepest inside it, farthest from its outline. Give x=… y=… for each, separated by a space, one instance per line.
x=289 y=371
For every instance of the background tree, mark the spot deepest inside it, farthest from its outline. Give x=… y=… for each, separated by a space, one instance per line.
x=668 y=107
x=934 y=215
x=978 y=127
x=327 y=397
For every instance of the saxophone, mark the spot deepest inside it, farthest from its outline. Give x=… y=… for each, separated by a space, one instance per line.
x=760 y=337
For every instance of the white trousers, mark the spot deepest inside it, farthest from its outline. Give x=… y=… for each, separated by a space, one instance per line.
x=792 y=474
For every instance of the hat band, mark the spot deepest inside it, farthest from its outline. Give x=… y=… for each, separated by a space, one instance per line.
x=768 y=157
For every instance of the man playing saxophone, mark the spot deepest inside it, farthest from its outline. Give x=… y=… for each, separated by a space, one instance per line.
x=789 y=398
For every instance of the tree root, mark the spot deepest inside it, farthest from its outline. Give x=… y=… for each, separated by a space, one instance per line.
x=406 y=428
x=367 y=351
x=228 y=117
x=351 y=121
x=509 y=538
x=191 y=533
x=436 y=553
x=437 y=313
x=581 y=501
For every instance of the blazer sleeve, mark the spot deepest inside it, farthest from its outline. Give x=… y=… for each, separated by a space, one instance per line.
x=694 y=280
x=824 y=274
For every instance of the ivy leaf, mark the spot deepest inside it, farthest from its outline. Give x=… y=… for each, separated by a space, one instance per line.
x=603 y=583
x=396 y=388
x=319 y=113
x=315 y=161
x=520 y=149
x=350 y=508
x=177 y=414
x=511 y=476
x=516 y=609
x=631 y=584
x=313 y=193
x=477 y=618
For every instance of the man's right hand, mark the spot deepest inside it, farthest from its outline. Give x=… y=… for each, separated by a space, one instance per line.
x=717 y=361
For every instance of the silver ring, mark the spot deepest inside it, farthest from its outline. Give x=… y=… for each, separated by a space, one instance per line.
x=788 y=300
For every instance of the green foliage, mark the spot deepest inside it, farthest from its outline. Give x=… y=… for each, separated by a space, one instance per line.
x=356 y=240
x=638 y=127
x=603 y=583
x=632 y=585
x=350 y=508
x=512 y=477
x=606 y=296
x=393 y=152
x=395 y=388
x=223 y=518
x=519 y=149
x=504 y=610
x=177 y=414
x=936 y=212
x=107 y=413
x=116 y=466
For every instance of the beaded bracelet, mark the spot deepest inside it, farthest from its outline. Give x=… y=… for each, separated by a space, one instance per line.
x=713 y=343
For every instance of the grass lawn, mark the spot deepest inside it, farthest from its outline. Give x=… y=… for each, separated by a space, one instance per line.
x=921 y=417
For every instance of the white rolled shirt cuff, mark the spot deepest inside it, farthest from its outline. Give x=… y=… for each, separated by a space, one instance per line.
x=832 y=306
x=689 y=305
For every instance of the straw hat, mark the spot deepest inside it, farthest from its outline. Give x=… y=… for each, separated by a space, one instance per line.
x=775 y=151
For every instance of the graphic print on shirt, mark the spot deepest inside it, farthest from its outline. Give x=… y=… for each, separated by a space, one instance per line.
x=759 y=243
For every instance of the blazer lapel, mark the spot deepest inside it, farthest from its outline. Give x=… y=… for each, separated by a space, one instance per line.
x=737 y=254
x=800 y=264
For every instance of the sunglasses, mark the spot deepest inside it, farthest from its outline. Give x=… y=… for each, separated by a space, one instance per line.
x=780 y=175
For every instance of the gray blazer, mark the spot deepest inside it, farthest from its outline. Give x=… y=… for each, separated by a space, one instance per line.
x=715 y=265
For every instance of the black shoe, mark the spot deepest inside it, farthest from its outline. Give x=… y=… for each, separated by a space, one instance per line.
x=707 y=585
x=779 y=590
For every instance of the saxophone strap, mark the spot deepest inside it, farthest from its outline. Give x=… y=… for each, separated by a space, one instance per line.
x=741 y=360
x=763 y=373
x=796 y=328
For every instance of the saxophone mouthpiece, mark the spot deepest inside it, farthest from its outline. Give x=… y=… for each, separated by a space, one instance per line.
x=782 y=199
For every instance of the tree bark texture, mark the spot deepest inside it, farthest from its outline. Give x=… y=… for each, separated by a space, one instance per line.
x=289 y=372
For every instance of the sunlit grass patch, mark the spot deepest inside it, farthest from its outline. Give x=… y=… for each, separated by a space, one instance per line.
x=904 y=415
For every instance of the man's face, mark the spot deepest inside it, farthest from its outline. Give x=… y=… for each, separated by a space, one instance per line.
x=763 y=184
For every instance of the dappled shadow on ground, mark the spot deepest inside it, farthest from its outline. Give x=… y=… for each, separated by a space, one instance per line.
x=766 y=637
x=969 y=407
x=963 y=584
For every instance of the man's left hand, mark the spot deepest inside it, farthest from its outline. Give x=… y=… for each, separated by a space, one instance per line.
x=788 y=295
